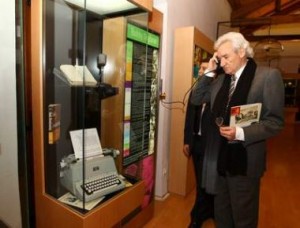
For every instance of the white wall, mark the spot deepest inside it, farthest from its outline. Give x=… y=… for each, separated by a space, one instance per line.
x=9 y=191
x=204 y=15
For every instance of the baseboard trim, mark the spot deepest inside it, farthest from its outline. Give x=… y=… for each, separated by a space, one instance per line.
x=162 y=198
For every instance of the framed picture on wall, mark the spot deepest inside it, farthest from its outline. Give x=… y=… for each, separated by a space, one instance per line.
x=200 y=56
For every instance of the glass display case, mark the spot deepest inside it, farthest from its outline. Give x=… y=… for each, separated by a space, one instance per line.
x=99 y=108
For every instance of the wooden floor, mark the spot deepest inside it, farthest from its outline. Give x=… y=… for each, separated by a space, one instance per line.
x=280 y=189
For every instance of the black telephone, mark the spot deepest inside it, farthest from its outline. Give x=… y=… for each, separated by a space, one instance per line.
x=219 y=69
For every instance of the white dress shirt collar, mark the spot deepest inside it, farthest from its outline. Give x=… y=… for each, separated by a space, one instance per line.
x=239 y=72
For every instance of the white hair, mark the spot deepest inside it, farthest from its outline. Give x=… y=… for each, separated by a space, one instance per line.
x=238 y=41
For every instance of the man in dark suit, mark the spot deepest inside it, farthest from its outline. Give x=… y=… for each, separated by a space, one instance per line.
x=197 y=121
x=236 y=156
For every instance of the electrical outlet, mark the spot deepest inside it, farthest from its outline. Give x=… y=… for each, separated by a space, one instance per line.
x=163 y=96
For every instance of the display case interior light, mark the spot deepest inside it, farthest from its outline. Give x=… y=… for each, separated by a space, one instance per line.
x=103 y=7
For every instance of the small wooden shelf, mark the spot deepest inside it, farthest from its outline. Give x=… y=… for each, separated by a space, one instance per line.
x=181 y=178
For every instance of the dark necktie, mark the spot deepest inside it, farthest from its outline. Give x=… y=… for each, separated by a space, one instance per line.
x=232 y=86
x=231 y=89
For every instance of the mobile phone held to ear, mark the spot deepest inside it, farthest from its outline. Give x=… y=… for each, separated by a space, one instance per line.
x=219 y=69
x=218 y=63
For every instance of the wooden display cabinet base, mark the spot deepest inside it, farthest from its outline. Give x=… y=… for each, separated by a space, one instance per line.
x=108 y=214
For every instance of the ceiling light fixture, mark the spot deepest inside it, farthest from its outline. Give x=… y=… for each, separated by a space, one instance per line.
x=103 y=7
x=269 y=48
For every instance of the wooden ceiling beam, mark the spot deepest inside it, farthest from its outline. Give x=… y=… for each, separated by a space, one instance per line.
x=250 y=16
x=261 y=21
x=249 y=26
x=252 y=38
x=289 y=8
x=247 y=9
x=272 y=8
x=277 y=6
x=285 y=19
x=263 y=8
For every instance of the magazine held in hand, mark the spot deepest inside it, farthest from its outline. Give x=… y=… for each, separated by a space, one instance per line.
x=245 y=115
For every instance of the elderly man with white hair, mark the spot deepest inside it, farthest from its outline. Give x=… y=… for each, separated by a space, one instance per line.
x=236 y=156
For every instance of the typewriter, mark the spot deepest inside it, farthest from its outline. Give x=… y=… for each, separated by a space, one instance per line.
x=100 y=177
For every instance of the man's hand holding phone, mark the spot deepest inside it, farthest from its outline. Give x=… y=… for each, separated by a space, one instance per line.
x=213 y=63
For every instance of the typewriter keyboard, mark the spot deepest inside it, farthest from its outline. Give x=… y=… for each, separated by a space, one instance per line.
x=105 y=182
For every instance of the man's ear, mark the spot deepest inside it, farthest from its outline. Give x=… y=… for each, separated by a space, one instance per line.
x=242 y=52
